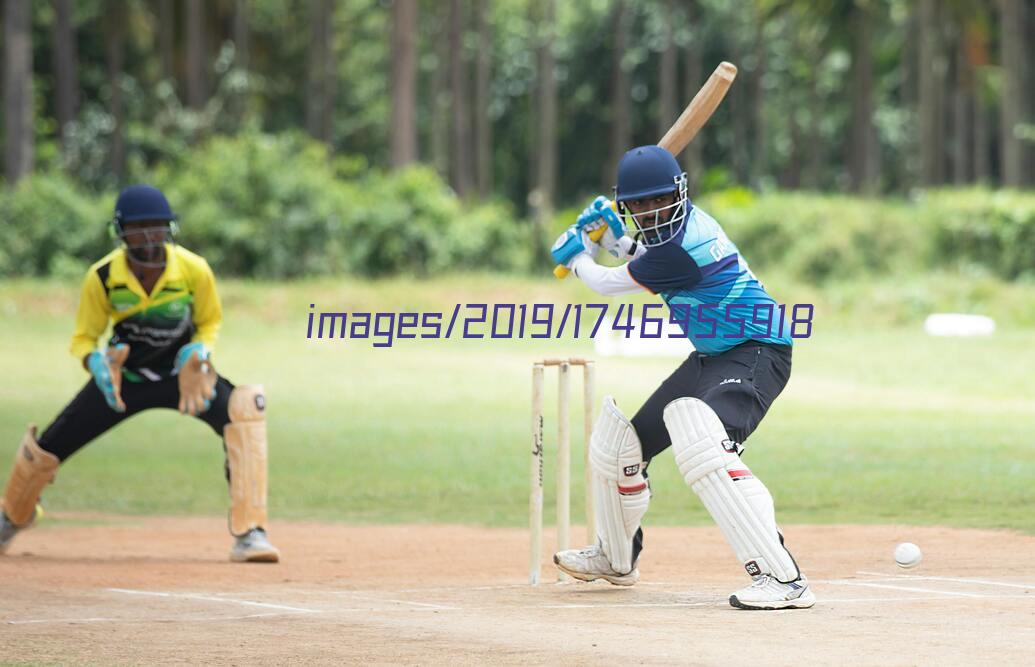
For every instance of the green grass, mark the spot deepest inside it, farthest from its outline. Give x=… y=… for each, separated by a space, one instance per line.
x=880 y=424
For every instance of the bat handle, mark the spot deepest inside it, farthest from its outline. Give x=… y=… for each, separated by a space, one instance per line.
x=560 y=271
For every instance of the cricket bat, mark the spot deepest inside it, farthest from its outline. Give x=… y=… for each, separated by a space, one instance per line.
x=686 y=127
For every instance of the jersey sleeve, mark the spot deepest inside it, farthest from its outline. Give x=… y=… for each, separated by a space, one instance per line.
x=91 y=318
x=608 y=281
x=665 y=267
x=208 y=311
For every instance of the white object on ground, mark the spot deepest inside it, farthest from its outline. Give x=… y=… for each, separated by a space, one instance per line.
x=958 y=324
x=907 y=555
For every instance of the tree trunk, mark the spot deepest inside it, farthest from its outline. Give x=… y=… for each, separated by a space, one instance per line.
x=759 y=160
x=482 y=117
x=545 y=122
x=115 y=47
x=460 y=130
x=167 y=38
x=404 y=83
x=621 y=124
x=963 y=104
x=667 y=83
x=18 y=110
x=930 y=103
x=66 y=66
x=320 y=73
x=441 y=97
x=1014 y=103
x=197 y=55
x=863 y=139
x=693 y=73
x=242 y=34
x=814 y=146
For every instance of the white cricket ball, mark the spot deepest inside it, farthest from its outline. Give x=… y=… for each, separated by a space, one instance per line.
x=907 y=555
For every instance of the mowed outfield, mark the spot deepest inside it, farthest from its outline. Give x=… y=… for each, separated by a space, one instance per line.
x=399 y=492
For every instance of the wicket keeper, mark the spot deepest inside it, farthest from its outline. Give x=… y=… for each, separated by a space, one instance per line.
x=710 y=405
x=162 y=303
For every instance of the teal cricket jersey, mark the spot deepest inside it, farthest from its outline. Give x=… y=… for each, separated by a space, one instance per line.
x=709 y=288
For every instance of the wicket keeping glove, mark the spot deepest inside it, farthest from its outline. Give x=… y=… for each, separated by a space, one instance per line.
x=196 y=379
x=106 y=369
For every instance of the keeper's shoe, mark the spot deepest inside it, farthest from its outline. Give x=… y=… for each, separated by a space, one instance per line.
x=590 y=564
x=768 y=593
x=254 y=547
x=8 y=530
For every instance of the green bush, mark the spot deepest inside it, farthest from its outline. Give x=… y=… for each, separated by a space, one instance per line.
x=50 y=227
x=278 y=206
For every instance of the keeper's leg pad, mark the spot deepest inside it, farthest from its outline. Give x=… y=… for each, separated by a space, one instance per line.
x=620 y=491
x=34 y=467
x=740 y=504
x=245 y=438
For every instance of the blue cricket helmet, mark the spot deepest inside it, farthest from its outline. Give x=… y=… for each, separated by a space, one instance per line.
x=646 y=172
x=142 y=202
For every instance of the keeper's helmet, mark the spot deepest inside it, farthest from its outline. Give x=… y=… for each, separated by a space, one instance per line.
x=145 y=244
x=647 y=172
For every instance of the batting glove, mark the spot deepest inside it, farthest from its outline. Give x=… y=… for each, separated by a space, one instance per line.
x=570 y=244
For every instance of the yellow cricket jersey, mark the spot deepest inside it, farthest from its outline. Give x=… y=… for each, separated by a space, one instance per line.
x=182 y=308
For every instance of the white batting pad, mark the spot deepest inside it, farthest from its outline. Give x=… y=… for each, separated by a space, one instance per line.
x=620 y=491
x=739 y=503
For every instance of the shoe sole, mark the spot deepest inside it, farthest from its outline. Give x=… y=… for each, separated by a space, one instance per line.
x=798 y=603
x=256 y=557
x=622 y=580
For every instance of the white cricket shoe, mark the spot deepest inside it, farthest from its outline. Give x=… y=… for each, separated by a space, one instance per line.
x=768 y=593
x=254 y=547
x=590 y=564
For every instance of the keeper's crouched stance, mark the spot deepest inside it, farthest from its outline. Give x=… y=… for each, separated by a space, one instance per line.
x=709 y=405
x=162 y=302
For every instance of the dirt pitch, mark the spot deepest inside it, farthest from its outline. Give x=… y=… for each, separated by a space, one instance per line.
x=127 y=590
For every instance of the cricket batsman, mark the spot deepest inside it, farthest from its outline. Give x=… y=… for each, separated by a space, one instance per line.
x=712 y=402
x=162 y=303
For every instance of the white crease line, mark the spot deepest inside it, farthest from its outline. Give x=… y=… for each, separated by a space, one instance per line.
x=360 y=596
x=212 y=598
x=921 y=577
x=625 y=604
x=911 y=589
x=185 y=619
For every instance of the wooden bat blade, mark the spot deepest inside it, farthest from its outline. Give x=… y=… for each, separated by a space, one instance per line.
x=700 y=109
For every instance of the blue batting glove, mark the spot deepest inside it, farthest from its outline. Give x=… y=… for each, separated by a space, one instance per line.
x=588 y=216
x=99 y=364
x=610 y=216
x=571 y=243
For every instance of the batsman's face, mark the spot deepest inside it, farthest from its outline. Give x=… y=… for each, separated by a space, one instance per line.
x=643 y=210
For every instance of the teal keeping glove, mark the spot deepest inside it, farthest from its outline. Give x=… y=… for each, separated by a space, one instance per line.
x=106 y=369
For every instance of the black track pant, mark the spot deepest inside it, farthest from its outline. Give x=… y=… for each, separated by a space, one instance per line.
x=89 y=416
x=739 y=385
